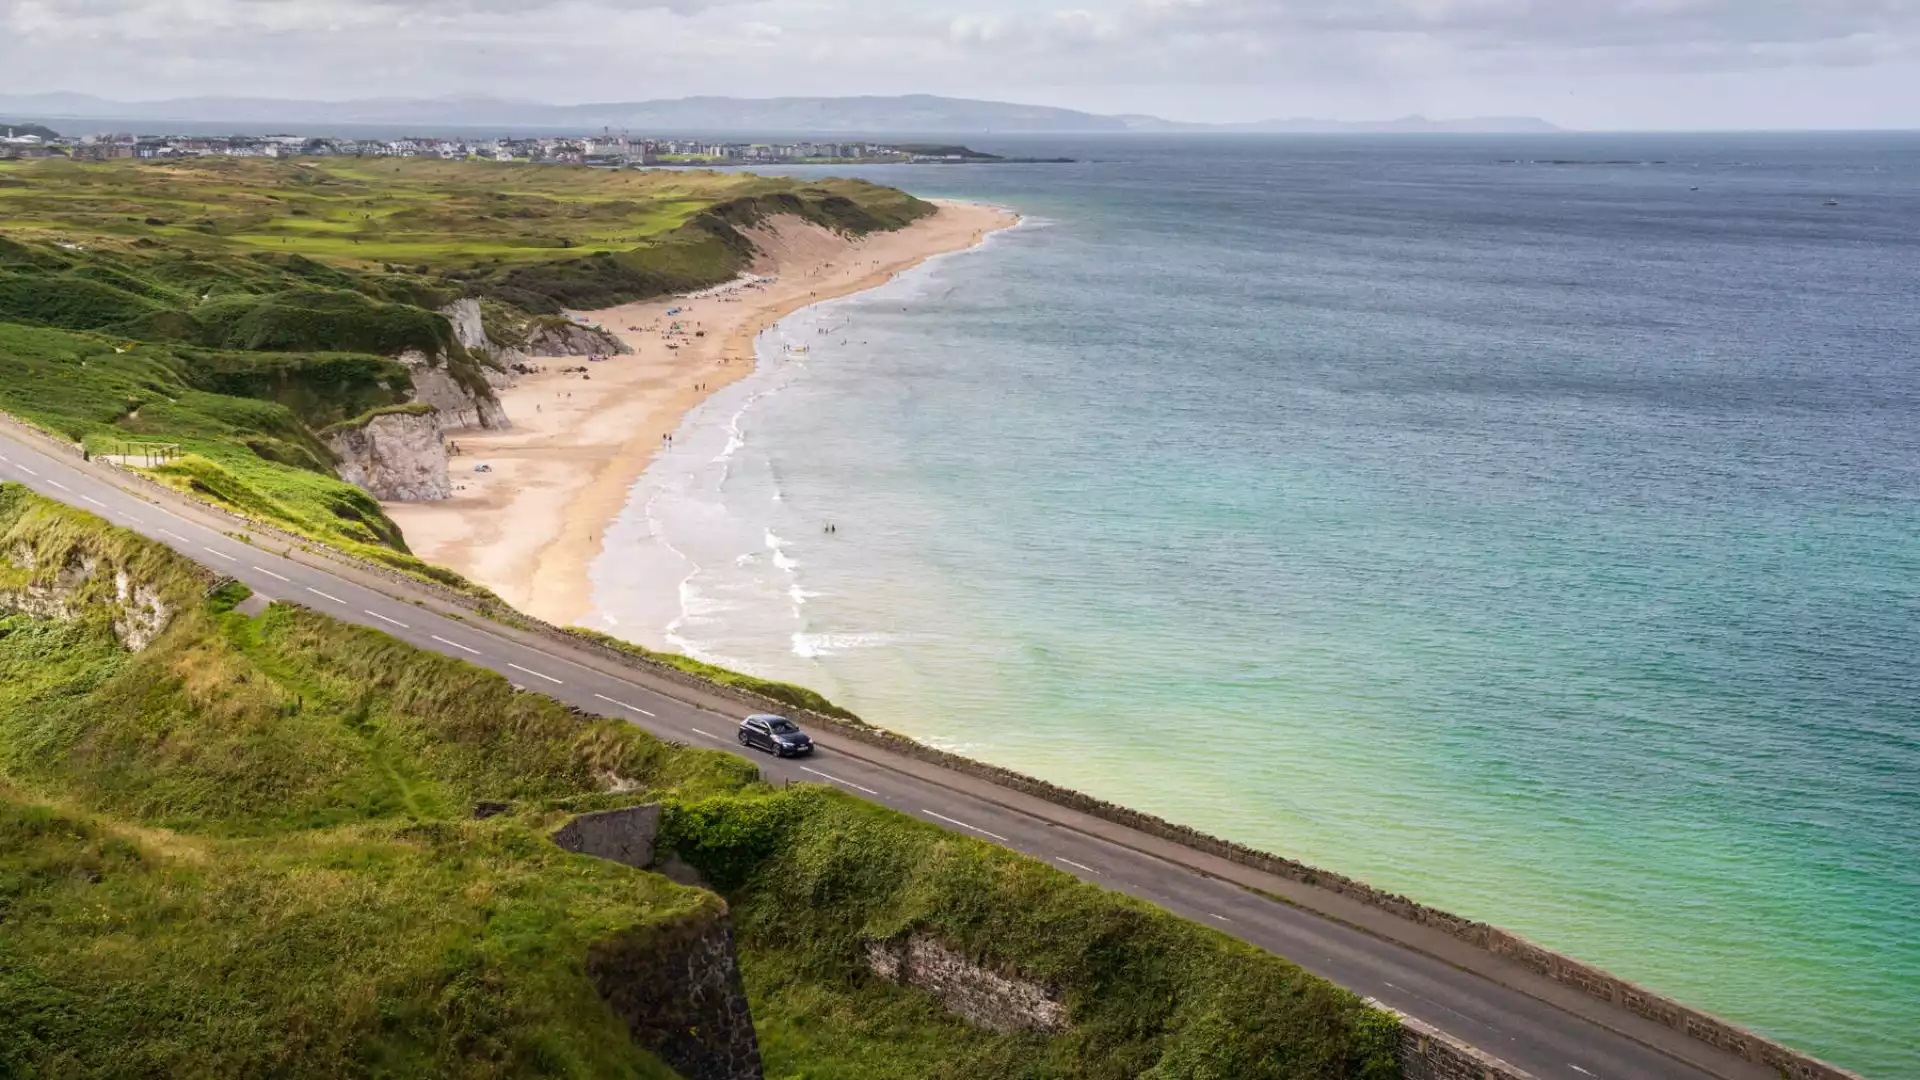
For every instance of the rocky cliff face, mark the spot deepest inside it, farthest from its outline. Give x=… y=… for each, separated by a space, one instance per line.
x=458 y=405
x=396 y=456
x=551 y=337
x=140 y=614
x=677 y=986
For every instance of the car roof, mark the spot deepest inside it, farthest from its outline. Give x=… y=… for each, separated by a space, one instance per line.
x=767 y=716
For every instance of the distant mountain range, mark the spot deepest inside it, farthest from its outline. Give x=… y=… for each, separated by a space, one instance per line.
x=908 y=114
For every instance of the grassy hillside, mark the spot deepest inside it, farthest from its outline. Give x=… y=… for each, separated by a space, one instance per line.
x=814 y=874
x=246 y=424
x=537 y=236
x=239 y=307
x=248 y=851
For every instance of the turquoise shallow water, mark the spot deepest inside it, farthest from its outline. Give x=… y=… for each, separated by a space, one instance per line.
x=1508 y=523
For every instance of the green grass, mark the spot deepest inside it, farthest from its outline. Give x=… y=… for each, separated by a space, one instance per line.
x=378 y=950
x=238 y=308
x=247 y=851
x=487 y=228
x=813 y=875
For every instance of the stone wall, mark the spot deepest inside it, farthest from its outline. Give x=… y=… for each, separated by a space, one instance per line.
x=677 y=986
x=1427 y=1053
x=977 y=995
x=395 y=456
x=624 y=836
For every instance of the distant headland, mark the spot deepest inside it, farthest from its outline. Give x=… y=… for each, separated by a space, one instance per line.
x=909 y=114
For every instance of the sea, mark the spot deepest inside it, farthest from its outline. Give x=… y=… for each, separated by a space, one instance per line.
x=1527 y=524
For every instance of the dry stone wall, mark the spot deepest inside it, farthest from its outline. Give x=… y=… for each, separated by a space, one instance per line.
x=624 y=836
x=977 y=995
x=1427 y=1053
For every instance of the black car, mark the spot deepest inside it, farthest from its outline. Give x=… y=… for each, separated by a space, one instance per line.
x=776 y=734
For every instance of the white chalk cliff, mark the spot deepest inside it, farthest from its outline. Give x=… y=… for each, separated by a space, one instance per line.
x=395 y=456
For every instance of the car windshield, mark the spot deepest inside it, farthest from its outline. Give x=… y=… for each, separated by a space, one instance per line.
x=783 y=727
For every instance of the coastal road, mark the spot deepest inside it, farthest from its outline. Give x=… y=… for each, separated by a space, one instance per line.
x=1538 y=1027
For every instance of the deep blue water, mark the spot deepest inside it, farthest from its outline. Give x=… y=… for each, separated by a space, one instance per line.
x=1532 y=525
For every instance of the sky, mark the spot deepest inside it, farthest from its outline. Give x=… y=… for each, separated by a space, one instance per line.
x=1597 y=64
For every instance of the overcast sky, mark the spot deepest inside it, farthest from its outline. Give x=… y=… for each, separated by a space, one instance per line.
x=1581 y=63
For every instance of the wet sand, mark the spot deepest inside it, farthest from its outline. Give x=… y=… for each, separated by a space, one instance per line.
x=530 y=528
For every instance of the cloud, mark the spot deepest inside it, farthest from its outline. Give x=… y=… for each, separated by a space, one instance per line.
x=1199 y=57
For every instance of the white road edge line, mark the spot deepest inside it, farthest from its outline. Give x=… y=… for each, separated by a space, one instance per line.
x=383 y=618
x=537 y=674
x=964 y=825
x=703 y=734
x=222 y=554
x=837 y=780
x=270 y=573
x=455 y=644
x=324 y=596
x=624 y=705
x=1077 y=865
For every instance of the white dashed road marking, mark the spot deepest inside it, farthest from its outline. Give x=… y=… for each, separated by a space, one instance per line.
x=59 y=485
x=384 y=619
x=624 y=705
x=536 y=674
x=221 y=554
x=964 y=825
x=705 y=735
x=1222 y=918
x=270 y=573
x=837 y=780
x=1077 y=865
x=325 y=596
x=175 y=535
x=26 y=470
x=1578 y=1069
x=455 y=644
x=94 y=501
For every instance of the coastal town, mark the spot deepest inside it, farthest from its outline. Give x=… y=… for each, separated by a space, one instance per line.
x=607 y=150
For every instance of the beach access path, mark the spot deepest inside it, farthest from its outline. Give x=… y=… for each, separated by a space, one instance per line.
x=531 y=527
x=1546 y=1029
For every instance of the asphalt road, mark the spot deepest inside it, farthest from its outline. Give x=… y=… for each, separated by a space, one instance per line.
x=1521 y=1029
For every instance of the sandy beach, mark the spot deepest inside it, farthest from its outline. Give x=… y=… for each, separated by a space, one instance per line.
x=530 y=528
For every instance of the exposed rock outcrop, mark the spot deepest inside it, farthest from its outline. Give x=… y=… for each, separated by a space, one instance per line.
x=677 y=985
x=459 y=406
x=398 y=456
x=554 y=337
x=624 y=836
x=981 y=997
x=497 y=359
x=468 y=327
x=139 y=612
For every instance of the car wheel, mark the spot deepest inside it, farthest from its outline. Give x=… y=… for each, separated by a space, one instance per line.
x=744 y=741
